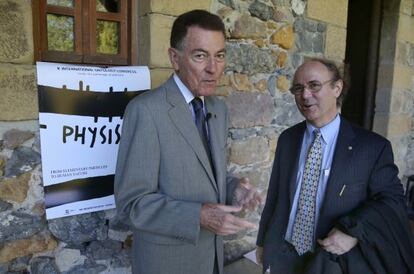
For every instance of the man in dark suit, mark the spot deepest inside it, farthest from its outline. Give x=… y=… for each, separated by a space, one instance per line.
x=328 y=183
x=171 y=183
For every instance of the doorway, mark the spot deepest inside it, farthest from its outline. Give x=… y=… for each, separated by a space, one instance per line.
x=361 y=59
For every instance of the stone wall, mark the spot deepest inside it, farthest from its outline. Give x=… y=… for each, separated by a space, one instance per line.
x=405 y=59
x=267 y=40
x=395 y=85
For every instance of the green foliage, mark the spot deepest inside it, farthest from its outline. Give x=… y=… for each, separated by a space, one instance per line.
x=107 y=37
x=60 y=33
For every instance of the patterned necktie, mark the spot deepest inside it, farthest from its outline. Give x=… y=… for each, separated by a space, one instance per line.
x=303 y=228
x=200 y=122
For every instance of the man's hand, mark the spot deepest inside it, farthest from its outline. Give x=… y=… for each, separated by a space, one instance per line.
x=259 y=255
x=218 y=219
x=338 y=242
x=246 y=195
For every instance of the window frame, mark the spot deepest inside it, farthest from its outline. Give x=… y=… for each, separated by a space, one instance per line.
x=85 y=20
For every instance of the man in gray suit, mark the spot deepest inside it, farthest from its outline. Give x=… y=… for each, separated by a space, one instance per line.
x=171 y=183
x=334 y=203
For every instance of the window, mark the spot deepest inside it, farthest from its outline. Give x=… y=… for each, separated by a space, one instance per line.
x=83 y=31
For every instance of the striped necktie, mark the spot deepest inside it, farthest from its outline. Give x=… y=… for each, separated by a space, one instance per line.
x=200 y=122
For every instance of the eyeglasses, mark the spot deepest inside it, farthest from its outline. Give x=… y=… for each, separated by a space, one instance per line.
x=312 y=86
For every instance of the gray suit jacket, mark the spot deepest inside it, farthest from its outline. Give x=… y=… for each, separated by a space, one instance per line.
x=162 y=178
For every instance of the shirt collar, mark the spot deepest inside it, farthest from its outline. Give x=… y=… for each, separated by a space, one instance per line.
x=328 y=131
x=188 y=95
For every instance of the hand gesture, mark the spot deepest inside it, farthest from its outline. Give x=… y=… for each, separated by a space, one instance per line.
x=218 y=219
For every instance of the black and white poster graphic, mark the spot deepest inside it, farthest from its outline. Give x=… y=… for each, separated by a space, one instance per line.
x=80 y=119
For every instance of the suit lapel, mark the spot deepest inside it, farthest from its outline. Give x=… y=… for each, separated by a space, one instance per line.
x=217 y=141
x=342 y=159
x=180 y=115
x=295 y=147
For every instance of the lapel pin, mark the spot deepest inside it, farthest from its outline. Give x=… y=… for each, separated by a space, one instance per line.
x=350 y=148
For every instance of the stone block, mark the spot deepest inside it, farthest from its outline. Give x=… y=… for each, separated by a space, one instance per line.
x=18 y=91
x=15 y=189
x=250 y=109
x=14 y=138
x=403 y=52
x=406 y=7
x=144 y=46
x=392 y=77
x=284 y=37
x=240 y=82
x=272 y=25
x=401 y=102
x=399 y=125
x=247 y=27
x=158 y=40
x=27 y=125
x=261 y=10
x=223 y=88
x=249 y=151
x=298 y=6
x=273 y=145
x=5 y=206
x=172 y=7
x=16 y=32
x=22 y=160
x=391 y=126
x=159 y=76
x=281 y=3
x=282 y=14
x=335 y=42
x=261 y=85
x=223 y=91
x=261 y=43
x=67 y=258
x=43 y=264
x=403 y=77
x=79 y=229
x=2 y=165
x=282 y=83
x=24 y=247
x=307 y=40
x=19 y=225
x=224 y=11
x=249 y=59
x=334 y=12
x=405 y=28
x=281 y=60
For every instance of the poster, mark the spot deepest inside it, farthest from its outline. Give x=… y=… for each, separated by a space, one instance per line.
x=80 y=119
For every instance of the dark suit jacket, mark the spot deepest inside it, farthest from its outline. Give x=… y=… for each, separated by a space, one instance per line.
x=363 y=161
x=163 y=176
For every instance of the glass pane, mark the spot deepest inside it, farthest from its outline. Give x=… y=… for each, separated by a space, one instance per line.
x=60 y=32
x=62 y=3
x=107 y=5
x=107 y=37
